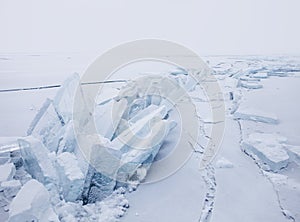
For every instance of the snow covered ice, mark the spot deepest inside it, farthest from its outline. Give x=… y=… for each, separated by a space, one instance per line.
x=268 y=148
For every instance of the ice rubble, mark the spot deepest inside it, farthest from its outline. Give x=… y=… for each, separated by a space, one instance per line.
x=45 y=173
x=255 y=115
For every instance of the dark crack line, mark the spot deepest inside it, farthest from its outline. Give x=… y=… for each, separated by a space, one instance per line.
x=58 y=85
x=283 y=211
x=208 y=205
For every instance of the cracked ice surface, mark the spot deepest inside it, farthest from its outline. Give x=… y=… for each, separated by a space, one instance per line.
x=261 y=95
x=267 y=148
x=267 y=122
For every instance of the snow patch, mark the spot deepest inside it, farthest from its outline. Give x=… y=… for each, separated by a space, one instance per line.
x=223 y=163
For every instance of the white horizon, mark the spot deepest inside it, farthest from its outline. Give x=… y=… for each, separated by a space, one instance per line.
x=232 y=27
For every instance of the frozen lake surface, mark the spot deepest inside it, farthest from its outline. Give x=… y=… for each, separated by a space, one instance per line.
x=254 y=177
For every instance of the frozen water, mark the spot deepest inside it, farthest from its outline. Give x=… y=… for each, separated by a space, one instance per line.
x=70 y=176
x=54 y=127
x=260 y=75
x=10 y=188
x=179 y=71
x=134 y=158
x=64 y=99
x=255 y=115
x=294 y=153
x=268 y=148
x=7 y=171
x=47 y=126
x=224 y=163
x=106 y=124
x=32 y=203
x=251 y=85
x=67 y=142
x=36 y=160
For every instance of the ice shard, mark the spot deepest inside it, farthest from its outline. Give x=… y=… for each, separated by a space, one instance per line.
x=70 y=176
x=36 y=160
x=47 y=126
x=32 y=203
x=7 y=171
x=106 y=124
x=64 y=99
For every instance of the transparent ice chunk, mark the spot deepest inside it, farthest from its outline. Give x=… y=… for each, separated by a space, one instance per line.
x=32 y=203
x=47 y=126
x=70 y=176
x=7 y=171
x=36 y=160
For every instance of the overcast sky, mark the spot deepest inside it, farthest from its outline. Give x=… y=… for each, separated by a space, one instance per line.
x=209 y=27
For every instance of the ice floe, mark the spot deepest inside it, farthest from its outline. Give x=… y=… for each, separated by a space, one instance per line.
x=252 y=114
x=267 y=148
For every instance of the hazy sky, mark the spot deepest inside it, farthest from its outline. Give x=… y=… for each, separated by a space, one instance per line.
x=209 y=27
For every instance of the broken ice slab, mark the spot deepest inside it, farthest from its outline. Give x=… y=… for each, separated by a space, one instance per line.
x=36 y=160
x=107 y=94
x=64 y=99
x=129 y=92
x=187 y=82
x=8 y=145
x=125 y=124
x=268 y=149
x=100 y=179
x=108 y=116
x=260 y=75
x=144 y=152
x=47 y=126
x=140 y=128
x=178 y=71
x=101 y=186
x=7 y=171
x=278 y=73
x=136 y=106
x=10 y=188
x=248 y=79
x=32 y=203
x=157 y=111
x=147 y=111
x=249 y=83
x=70 y=176
x=256 y=116
x=4 y=157
x=294 y=153
x=67 y=142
